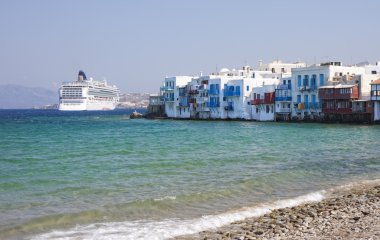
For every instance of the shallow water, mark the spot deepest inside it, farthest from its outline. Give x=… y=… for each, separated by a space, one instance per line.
x=101 y=175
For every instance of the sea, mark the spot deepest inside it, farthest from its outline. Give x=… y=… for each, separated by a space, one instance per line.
x=101 y=175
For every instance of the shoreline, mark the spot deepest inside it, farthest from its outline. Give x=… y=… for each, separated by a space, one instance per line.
x=348 y=212
x=251 y=120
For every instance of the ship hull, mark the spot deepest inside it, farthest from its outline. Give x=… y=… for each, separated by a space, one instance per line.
x=88 y=105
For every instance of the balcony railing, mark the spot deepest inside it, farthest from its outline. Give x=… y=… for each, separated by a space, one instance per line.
x=308 y=105
x=283 y=110
x=168 y=99
x=284 y=86
x=184 y=104
x=312 y=105
x=307 y=88
x=213 y=92
x=279 y=99
x=193 y=91
x=231 y=93
x=213 y=104
x=229 y=108
x=257 y=101
x=166 y=88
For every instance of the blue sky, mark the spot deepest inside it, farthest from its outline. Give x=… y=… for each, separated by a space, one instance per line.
x=135 y=44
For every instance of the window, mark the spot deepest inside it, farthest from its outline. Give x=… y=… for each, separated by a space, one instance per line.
x=247 y=88
x=313 y=80
x=283 y=70
x=257 y=110
x=299 y=80
x=254 y=96
x=253 y=75
x=273 y=70
x=271 y=109
x=321 y=79
x=267 y=109
x=313 y=99
x=298 y=98
x=306 y=80
x=374 y=72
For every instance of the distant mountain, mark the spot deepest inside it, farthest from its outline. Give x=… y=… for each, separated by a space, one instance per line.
x=16 y=97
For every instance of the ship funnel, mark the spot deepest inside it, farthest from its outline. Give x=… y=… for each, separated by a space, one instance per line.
x=81 y=76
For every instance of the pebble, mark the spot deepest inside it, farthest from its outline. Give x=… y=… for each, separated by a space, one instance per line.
x=354 y=215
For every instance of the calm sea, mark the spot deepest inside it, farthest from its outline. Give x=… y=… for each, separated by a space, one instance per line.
x=100 y=175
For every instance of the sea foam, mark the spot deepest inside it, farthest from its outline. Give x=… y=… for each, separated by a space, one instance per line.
x=169 y=228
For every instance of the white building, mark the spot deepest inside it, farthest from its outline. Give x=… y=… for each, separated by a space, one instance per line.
x=215 y=96
x=307 y=80
x=280 y=67
x=170 y=91
x=375 y=98
x=235 y=99
x=262 y=95
x=283 y=99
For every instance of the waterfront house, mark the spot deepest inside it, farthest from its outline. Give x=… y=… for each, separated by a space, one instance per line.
x=306 y=82
x=283 y=99
x=375 y=98
x=170 y=93
x=263 y=100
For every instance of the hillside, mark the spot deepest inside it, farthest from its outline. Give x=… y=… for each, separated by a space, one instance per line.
x=18 y=97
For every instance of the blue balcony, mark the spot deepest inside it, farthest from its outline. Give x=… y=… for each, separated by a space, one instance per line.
x=184 y=104
x=169 y=99
x=229 y=108
x=166 y=88
x=231 y=93
x=313 y=87
x=213 y=104
x=284 y=86
x=213 y=92
x=312 y=105
x=283 y=99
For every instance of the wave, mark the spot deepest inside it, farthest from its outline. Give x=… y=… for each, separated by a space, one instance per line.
x=169 y=228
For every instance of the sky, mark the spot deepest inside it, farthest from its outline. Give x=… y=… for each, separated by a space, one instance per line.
x=135 y=44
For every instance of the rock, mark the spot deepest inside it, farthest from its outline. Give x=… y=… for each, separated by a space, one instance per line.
x=135 y=115
x=356 y=218
x=365 y=212
x=312 y=214
x=259 y=232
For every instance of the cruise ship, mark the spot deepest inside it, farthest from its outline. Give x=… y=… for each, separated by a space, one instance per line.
x=83 y=94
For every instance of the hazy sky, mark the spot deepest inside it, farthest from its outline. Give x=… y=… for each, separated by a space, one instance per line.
x=135 y=44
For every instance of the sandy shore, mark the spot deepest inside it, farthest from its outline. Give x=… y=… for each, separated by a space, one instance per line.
x=348 y=213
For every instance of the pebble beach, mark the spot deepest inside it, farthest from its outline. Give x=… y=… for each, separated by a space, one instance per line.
x=350 y=212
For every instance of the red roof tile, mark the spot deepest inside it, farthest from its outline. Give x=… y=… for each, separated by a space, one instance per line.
x=376 y=81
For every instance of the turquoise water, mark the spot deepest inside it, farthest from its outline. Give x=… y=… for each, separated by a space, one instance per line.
x=104 y=176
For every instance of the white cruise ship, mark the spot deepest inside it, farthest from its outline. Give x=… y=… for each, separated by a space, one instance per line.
x=86 y=94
